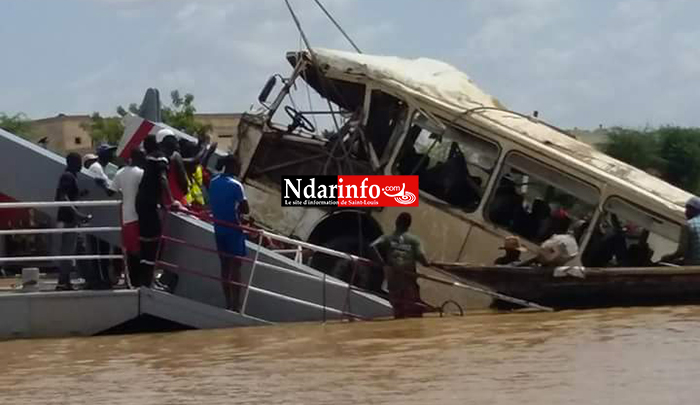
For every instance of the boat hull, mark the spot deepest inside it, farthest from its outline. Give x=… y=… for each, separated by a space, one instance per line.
x=599 y=288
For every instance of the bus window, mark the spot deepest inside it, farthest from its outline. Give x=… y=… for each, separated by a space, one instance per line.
x=454 y=166
x=385 y=113
x=627 y=236
x=535 y=201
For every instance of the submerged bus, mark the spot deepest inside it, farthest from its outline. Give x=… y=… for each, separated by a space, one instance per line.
x=484 y=172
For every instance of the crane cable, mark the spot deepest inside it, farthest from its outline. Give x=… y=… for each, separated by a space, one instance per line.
x=337 y=25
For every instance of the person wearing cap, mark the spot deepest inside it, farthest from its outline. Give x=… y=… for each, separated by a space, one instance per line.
x=105 y=155
x=228 y=203
x=688 y=251
x=101 y=278
x=88 y=160
x=513 y=249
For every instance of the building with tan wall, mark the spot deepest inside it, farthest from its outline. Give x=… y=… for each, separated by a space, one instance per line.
x=64 y=133
x=224 y=127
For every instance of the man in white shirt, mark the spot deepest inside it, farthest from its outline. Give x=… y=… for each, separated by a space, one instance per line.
x=126 y=182
x=102 y=279
x=105 y=154
x=560 y=247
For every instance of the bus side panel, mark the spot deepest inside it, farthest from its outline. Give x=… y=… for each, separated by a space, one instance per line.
x=442 y=234
x=266 y=207
x=481 y=247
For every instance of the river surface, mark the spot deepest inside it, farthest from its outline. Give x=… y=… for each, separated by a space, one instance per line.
x=617 y=356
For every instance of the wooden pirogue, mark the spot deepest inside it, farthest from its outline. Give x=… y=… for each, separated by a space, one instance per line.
x=579 y=287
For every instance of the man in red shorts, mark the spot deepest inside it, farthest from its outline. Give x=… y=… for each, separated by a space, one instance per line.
x=127 y=181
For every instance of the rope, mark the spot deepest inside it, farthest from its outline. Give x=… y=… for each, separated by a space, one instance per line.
x=337 y=25
x=323 y=81
x=444 y=304
x=493 y=294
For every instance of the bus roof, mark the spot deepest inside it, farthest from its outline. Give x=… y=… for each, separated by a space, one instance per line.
x=438 y=82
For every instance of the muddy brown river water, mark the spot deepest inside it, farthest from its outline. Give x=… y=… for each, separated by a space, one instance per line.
x=617 y=356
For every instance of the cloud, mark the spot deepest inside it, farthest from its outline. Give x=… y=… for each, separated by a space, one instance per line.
x=578 y=63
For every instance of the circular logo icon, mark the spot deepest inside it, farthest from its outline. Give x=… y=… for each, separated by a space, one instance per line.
x=406 y=199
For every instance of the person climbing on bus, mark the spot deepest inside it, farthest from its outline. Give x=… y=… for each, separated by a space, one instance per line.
x=399 y=252
x=69 y=217
x=688 y=251
x=228 y=203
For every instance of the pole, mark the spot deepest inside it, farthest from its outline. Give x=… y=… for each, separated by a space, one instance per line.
x=493 y=294
x=252 y=272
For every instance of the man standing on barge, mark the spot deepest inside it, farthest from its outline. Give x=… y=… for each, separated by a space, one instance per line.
x=228 y=203
x=399 y=253
x=69 y=217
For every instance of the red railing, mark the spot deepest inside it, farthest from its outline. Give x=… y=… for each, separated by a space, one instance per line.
x=268 y=238
x=345 y=312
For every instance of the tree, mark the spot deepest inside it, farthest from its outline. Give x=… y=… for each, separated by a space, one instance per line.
x=672 y=153
x=680 y=149
x=180 y=115
x=18 y=124
x=104 y=129
x=133 y=108
x=638 y=148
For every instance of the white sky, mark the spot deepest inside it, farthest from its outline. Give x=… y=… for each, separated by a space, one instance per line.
x=580 y=63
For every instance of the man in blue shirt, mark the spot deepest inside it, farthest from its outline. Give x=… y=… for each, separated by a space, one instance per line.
x=228 y=203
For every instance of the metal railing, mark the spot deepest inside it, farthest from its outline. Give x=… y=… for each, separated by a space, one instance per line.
x=78 y=229
x=297 y=251
x=259 y=235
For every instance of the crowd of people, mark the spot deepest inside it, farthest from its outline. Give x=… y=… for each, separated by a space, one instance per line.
x=166 y=173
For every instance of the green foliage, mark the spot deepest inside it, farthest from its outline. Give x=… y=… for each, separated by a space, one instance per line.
x=18 y=124
x=104 y=129
x=671 y=152
x=680 y=148
x=133 y=108
x=180 y=115
x=638 y=148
